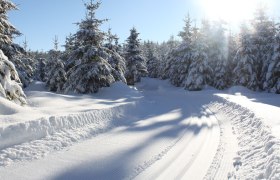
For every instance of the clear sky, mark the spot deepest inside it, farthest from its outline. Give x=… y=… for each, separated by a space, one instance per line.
x=157 y=20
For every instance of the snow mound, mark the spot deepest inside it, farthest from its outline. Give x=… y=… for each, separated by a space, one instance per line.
x=54 y=121
x=259 y=154
x=7 y=107
x=34 y=139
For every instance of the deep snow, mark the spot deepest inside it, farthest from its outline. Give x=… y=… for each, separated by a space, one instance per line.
x=151 y=131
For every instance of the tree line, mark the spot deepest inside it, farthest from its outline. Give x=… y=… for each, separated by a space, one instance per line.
x=93 y=59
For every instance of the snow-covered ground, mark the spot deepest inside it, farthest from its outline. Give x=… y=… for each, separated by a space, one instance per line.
x=151 y=131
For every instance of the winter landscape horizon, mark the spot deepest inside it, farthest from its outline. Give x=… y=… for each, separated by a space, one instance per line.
x=140 y=90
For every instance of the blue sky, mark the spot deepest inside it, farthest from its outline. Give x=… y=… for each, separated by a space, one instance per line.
x=157 y=20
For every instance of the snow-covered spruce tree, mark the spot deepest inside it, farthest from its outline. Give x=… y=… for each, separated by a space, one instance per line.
x=199 y=69
x=272 y=83
x=217 y=51
x=70 y=45
x=181 y=61
x=16 y=54
x=40 y=74
x=166 y=51
x=90 y=70
x=10 y=86
x=112 y=49
x=153 y=62
x=56 y=75
x=246 y=70
x=230 y=54
x=262 y=37
x=135 y=62
x=7 y=30
x=25 y=66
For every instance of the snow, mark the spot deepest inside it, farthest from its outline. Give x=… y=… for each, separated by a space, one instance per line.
x=265 y=105
x=149 y=131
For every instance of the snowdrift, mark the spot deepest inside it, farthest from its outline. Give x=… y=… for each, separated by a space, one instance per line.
x=259 y=150
x=30 y=132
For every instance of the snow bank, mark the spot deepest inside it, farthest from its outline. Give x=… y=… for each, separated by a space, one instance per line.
x=53 y=121
x=7 y=107
x=42 y=103
x=63 y=130
x=259 y=154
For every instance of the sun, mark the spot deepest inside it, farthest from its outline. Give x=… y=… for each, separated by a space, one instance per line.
x=232 y=11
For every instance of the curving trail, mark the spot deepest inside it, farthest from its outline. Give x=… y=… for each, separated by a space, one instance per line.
x=168 y=133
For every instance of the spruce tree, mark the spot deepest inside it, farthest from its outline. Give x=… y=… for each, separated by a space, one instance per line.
x=7 y=30
x=56 y=75
x=135 y=62
x=272 y=83
x=180 y=57
x=246 y=70
x=217 y=52
x=166 y=51
x=230 y=54
x=10 y=84
x=262 y=37
x=40 y=70
x=116 y=60
x=88 y=66
x=153 y=62
x=199 y=69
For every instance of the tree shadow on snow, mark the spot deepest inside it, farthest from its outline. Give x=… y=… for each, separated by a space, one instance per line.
x=167 y=116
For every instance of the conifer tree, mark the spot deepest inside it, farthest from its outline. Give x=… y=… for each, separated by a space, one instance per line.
x=217 y=51
x=89 y=69
x=230 y=54
x=40 y=70
x=153 y=62
x=10 y=84
x=113 y=55
x=262 y=38
x=246 y=70
x=56 y=75
x=7 y=30
x=166 y=51
x=199 y=69
x=180 y=57
x=272 y=83
x=135 y=62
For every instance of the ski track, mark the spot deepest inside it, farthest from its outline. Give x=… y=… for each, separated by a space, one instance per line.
x=222 y=165
x=241 y=145
x=188 y=151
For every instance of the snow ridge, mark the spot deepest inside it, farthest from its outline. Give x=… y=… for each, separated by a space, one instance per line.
x=259 y=151
x=34 y=139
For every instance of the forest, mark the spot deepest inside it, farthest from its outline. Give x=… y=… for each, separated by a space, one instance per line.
x=208 y=54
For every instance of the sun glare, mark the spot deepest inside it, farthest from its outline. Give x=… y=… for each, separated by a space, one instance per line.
x=232 y=11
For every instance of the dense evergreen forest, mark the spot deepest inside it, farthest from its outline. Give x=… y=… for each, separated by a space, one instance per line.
x=205 y=55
